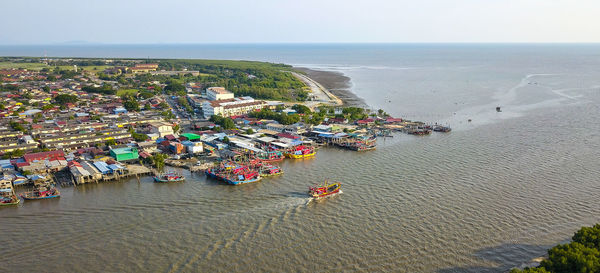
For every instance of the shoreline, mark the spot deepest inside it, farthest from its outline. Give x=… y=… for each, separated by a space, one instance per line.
x=338 y=84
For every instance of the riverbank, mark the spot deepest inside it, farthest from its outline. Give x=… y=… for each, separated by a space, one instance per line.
x=335 y=82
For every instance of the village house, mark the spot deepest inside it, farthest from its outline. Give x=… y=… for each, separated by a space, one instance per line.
x=161 y=128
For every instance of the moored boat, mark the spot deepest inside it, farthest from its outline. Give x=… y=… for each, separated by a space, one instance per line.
x=324 y=190
x=271 y=156
x=300 y=152
x=237 y=175
x=168 y=177
x=41 y=192
x=270 y=170
x=442 y=129
x=8 y=197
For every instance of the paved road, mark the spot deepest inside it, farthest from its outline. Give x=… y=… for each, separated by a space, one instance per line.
x=321 y=94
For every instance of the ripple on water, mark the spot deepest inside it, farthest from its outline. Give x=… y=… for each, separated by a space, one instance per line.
x=474 y=201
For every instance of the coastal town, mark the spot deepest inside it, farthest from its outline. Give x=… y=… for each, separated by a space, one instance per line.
x=67 y=122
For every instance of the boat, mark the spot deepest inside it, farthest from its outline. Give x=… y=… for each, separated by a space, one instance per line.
x=442 y=129
x=41 y=192
x=419 y=131
x=8 y=197
x=270 y=170
x=324 y=190
x=271 y=156
x=168 y=177
x=236 y=175
x=300 y=152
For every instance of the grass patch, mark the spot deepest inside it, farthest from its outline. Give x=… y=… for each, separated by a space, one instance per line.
x=40 y=66
x=122 y=92
x=28 y=66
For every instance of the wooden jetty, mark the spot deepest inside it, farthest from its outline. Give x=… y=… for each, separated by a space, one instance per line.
x=129 y=171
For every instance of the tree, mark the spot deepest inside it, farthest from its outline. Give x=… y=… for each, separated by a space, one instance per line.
x=225 y=139
x=301 y=109
x=176 y=128
x=163 y=105
x=131 y=105
x=47 y=107
x=225 y=122
x=572 y=258
x=18 y=153
x=174 y=88
x=63 y=99
x=139 y=137
x=146 y=95
x=17 y=126
x=110 y=142
x=249 y=131
x=167 y=115
x=588 y=236
x=158 y=160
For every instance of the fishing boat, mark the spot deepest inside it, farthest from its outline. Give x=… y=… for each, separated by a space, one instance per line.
x=324 y=190
x=41 y=192
x=8 y=197
x=419 y=131
x=270 y=170
x=271 y=156
x=442 y=129
x=237 y=175
x=300 y=152
x=168 y=177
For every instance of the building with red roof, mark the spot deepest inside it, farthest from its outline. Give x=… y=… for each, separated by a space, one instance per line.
x=51 y=155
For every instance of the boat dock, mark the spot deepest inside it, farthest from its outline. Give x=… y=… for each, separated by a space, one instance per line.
x=88 y=175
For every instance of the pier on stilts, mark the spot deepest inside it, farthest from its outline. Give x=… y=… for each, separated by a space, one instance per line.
x=78 y=178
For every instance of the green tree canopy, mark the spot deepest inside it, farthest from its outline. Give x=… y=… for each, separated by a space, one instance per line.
x=588 y=236
x=63 y=99
x=572 y=258
x=224 y=122
x=301 y=109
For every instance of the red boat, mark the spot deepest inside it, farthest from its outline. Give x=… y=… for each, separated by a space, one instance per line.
x=325 y=190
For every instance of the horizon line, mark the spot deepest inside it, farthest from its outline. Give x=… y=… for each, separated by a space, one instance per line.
x=295 y=43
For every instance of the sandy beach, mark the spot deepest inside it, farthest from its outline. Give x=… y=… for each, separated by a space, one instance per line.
x=337 y=83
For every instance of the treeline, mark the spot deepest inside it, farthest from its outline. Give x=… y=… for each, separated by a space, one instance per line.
x=282 y=118
x=105 y=89
x=582 y=255
x=244 y=78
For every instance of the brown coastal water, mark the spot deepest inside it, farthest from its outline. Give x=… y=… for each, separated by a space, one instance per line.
x=490 y=195
x=470 y=201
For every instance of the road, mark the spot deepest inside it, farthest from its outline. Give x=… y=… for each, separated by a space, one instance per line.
x=320 y=93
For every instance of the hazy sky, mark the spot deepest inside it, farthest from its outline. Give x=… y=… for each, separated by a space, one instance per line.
x=304 y=21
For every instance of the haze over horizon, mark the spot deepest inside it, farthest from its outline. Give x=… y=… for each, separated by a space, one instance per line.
x=311 y=21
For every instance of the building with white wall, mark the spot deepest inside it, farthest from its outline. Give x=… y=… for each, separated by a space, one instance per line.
x=232 y=107
x=218 y=93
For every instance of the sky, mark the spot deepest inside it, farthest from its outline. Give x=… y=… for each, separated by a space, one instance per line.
x=298 y=21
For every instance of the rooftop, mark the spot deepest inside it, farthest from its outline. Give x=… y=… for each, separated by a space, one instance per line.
x=218 y=90
x=124 y=150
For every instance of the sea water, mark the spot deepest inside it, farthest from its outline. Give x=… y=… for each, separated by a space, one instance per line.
x=494 y=193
